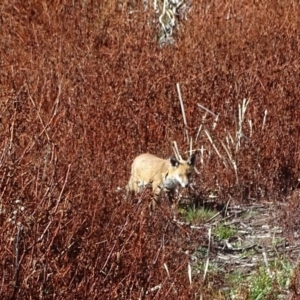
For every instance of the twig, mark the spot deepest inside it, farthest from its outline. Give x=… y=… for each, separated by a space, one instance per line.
x=155 y=5
x=16 y=282
x=63 y=188
x=38 y=113
x=230 y=249
x=191 y=146
x=176 y=151
x=213 y=217
x=157 y=287
x=232 y=162
x=215 y=122
x=264 y=119
x=266 y=262
x=208 y=253
x=207 y=110
x=12 y=131
x=167 y=270
x=108 y=257
x=53 y=235
x=224 y=219
x=160 y=19
x=211 y=141
x=201 y=150
x=226 y=207
x=54 y=108
x=190 y=273
x=250 y=127
x=241 y=110
x=198 y=132
x=182 y=111
x=200 y=127
x=3 y=154
x=110 y=253
x=40 y=238
x=229 y=139
x=161 y=246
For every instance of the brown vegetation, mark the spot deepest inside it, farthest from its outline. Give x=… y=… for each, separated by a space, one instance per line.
x=85 y=87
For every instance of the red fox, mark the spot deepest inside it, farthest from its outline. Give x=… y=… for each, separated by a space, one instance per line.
x=165 y=175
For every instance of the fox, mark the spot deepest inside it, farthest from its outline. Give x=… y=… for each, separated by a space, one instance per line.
x=164 y=175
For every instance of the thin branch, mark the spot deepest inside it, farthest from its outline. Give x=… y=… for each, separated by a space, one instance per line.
x=38 y=113
x=62 y=190
x=182 y=111
x=211 y=141
x=176 y=151
x=207 y=110
x=17 y=263
x=208 y=253
x=264 y=119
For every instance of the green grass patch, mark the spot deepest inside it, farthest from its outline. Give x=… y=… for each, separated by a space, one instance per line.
x=223 y=231
x=262 y=283
x=194 y=215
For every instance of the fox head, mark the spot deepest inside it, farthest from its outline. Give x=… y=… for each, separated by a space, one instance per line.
x=180 y=172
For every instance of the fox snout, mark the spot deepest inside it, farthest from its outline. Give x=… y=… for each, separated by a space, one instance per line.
x=184 y=182
x=185 y=185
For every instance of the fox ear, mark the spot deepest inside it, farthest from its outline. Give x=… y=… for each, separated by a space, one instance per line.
x=192 y=159
x=173 y=161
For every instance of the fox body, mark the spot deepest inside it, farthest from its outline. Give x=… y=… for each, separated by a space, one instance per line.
x=165 y=175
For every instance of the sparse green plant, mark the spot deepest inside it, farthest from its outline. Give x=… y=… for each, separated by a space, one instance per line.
x=283 y=270
x=201 y=252
x=213 y=268
x=236 y=281
x=194 y=215
x=260 y=285
x=277 y=241
x=247 y=253
x=223 y=231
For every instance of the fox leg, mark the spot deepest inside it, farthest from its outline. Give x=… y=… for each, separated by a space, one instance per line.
x=132 y=187
x=171 y=196
x=157 y=191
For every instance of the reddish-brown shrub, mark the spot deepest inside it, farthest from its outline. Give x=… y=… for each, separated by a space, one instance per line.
x=85 y=87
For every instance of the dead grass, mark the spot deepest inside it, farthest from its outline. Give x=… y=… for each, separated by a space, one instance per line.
x=85 y=87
